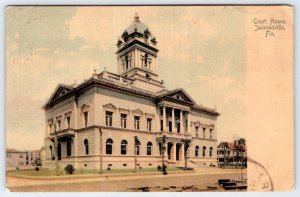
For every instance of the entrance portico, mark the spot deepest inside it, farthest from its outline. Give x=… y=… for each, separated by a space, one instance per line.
x=174 y=119
x=174 y=150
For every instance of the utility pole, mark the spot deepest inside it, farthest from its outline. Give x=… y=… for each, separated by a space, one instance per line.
x=101 y=152
x=136 y=143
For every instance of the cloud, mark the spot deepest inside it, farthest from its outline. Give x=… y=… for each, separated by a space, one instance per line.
x=51 y=45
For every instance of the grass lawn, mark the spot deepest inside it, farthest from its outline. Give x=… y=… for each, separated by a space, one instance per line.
x=51 y=172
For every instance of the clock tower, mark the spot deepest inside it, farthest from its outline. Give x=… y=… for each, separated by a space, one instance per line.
x=136 y=54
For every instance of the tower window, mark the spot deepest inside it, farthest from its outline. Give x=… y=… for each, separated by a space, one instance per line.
x=68 y=121
x=146 y=60
x=85 y=114
x=196 y=131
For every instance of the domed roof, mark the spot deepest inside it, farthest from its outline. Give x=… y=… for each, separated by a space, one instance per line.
x=137 y=26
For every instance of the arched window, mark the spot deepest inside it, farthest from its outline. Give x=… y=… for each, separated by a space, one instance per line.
x=86 y=145
x=69 y=149
x=109 y=146
x=59 y=151
x=123 y=147
x=210 y=151
x=196 y=151
x=149 y=148
x=51 y=153
x=203 y=151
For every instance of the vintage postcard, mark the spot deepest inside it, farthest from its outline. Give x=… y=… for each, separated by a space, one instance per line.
x=149 y=98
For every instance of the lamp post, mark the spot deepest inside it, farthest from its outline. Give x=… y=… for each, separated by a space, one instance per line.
x=186 y=143
x=163 y=149
x=101 y=152
x=136 y=144
x=56 y=152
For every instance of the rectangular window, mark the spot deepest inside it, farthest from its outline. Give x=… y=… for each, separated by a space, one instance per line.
x=108 y=118
x=178 y=127
x=210 y=133
x=203 y=132
x=161 y=125
x=149 y=124
x=137 y=122
x=197 y=131
x=68 y=121
x=170 y=126
x=86 y=118
x=58 y=124
x=123 y=120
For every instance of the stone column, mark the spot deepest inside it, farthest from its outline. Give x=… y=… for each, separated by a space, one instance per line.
x=164 y=118
x=173 y=120
x=188 y=122
x=157 y=120
x=181 y=122
x=173 y=152
x=182 y=152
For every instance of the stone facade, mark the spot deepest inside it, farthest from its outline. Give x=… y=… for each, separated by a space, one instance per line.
x=113 y=119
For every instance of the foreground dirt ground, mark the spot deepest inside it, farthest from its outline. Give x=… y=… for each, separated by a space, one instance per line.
x=201 y=180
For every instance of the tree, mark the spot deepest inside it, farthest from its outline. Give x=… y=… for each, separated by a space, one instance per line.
x=186 y=143
x=224 y=145
x=37 y=162
x=239 y=149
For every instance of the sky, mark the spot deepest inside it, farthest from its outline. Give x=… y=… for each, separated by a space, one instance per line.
x=201 y=49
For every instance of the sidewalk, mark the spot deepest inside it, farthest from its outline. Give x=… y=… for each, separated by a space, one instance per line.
x=22 y=180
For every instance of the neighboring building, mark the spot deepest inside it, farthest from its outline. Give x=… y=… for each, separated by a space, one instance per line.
x=228 y=152
x=130 y=105
x=43 y=155
x=21 y=159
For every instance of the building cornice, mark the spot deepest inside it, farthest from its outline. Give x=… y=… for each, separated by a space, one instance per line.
x=106 y=84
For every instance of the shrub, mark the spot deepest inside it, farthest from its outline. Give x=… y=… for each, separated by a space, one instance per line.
x=165 y=166
x=69 y=169
x=17 y=168
x=37 y=168
x=158 y=167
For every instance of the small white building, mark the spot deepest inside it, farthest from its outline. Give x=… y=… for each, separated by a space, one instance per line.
x=103 y=119
x=16 y=159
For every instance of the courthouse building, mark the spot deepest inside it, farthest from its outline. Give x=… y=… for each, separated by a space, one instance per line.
x=112 y=119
